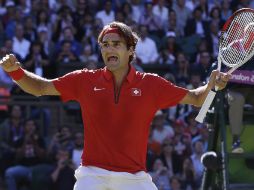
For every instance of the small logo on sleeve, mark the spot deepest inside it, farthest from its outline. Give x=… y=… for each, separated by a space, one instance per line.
x=136 y=92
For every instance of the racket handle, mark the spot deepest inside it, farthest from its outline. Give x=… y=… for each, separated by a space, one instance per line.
x=204 y=109
x=232 y=70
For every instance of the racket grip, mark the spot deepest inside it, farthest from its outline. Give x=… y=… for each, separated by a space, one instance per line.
x=204 y=109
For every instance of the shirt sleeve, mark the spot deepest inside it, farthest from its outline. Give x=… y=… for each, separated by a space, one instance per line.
x=68 y=85
x=167 y=94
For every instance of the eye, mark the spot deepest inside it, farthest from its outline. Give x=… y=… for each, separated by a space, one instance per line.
x=104 y=45
x=116 y=44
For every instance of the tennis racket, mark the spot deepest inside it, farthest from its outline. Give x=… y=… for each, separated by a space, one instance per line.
x=236 y=45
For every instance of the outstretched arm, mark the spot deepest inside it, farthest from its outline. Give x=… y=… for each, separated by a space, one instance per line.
x=29 y=82
x=197 y=96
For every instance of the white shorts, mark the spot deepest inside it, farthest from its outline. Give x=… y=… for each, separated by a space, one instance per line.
x=94 y=178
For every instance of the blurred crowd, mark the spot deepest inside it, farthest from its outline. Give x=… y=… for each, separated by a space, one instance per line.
x=51 y=37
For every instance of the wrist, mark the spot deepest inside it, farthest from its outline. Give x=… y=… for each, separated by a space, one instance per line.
x=17 y=74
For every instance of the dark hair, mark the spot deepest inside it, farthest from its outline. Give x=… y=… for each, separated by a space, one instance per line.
x=38 y=19
x=130 y=37
x=214 y=9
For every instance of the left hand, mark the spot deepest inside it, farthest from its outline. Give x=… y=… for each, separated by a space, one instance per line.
x=218 y=79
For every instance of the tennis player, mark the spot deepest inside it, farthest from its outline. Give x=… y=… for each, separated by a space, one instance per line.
x=118 y=104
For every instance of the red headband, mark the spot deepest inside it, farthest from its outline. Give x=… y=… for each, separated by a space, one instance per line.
x=111 y=30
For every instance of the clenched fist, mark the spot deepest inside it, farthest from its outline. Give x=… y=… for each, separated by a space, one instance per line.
x=9 y=63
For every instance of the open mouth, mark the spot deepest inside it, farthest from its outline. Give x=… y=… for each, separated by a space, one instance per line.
x=112 y=58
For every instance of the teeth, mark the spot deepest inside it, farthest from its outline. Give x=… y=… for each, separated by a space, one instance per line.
x=112 y=57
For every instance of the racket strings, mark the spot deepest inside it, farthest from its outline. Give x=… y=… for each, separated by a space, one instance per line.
x=237 y=43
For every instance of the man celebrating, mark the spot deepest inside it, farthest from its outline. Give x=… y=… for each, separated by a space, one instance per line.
x=118 y=105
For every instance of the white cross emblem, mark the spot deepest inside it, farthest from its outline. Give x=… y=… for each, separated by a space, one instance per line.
x=136 y=92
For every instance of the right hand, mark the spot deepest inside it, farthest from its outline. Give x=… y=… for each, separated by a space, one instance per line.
x=9 y=63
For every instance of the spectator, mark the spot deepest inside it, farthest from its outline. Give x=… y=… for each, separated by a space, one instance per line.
x=66 y=55
x=237 y=97
x=88 y=54
x=9 y=19
x=212 y=39
x=137 y=9
x=57 y=5
x=226 y=12
x=160 y=175
x=127 y=11
x=161 y=131
x=151 y=21
x=37 y=61
x=206 y=7
x=31 y=151
x=2 y=8
x=182 y=69
x=198 y=150
x=175 y=183
x=78 y=149
x=7 y=48
x=203 y=45
x=64 y=20
x=203 y=136
x=44 y=38
x=192 y=4
x=146 y=49
x=11 y=131
x=215 y=16
x=172 y=24
x=43 y=22
x=35 y=7
x=5 y=81
x=84 y=27
x=92 y=37
x=119 y=17
x=195 y=80
x=196 y=24
x=203 y=64
x=182 y=149
x=68 y=35
x=161 y=11
x=169 y=158
x=30 y=32
x=182 y=14
x=20 y=44
x=192 y=127
x=188 y=175
x=62 y=138
x=25 y=6
x=106 y=15
x=169 y=50
x=63 y=170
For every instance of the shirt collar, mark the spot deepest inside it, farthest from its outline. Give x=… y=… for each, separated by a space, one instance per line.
x=130 y=76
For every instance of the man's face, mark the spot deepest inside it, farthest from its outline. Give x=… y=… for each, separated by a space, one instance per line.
x=19 y=31
x=16 y=112
x=114 y=52
x=68 y=34
x=143 y=32
x=108 y=6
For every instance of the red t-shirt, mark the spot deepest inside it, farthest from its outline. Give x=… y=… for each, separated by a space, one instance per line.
x=116 y=128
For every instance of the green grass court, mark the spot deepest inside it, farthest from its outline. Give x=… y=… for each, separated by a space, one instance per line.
x=238 y=171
